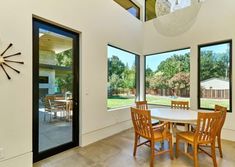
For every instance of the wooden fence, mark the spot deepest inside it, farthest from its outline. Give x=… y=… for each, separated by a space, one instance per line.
x=215 y=94
x=169 y=92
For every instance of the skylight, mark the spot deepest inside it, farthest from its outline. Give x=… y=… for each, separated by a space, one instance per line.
x=157 y=8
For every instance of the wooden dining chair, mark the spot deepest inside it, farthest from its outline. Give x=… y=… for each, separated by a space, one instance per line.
x=205 y=134
x=143 y=127
x=143 y=105
x=180 y=104
x=223 y=111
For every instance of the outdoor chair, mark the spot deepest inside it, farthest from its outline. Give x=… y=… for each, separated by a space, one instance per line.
x=52 y=107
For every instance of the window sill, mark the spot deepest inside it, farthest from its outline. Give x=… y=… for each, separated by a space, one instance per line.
x=121 y=108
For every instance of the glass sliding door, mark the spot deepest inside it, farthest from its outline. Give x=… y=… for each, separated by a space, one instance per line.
x=55 y=103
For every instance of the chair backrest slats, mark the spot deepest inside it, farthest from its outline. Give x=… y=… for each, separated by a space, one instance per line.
x=143 y=105
x=207 y=126
x=142 y=122
x=180 y=104
x=48 y=102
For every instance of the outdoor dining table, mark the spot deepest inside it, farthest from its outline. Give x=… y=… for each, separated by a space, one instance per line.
x=175 y=116
x=67 y=102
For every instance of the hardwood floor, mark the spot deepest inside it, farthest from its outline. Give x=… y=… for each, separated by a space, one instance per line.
x=116 y=151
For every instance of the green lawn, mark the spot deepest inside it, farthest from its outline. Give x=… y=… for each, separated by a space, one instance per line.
x=210 y=103
x=163 y=100
x=122 y=101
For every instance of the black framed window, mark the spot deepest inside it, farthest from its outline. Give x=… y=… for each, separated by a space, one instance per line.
x=167 y=77
x=215 y=75
x=123 y=77
x=130 y=6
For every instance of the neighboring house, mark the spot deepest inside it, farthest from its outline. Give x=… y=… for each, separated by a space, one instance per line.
x=215 y=88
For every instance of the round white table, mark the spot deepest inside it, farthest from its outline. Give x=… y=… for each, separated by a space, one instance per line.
x=174 y=115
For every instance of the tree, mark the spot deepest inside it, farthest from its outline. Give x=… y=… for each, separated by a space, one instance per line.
x=148 y=75
x=214 y=65
x=174 y=65
x=128 y=77
x=180 y=81
x=114 y=85
x=115 y=66
x=65 y=59
x=158 y=81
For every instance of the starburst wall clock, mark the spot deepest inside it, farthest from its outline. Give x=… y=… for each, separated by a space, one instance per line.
x=5 y=61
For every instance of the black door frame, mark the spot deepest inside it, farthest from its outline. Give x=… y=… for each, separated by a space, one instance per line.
x=75 y=36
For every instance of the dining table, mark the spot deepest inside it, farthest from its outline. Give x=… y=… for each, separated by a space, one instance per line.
x=67 y=103
x=174 y=116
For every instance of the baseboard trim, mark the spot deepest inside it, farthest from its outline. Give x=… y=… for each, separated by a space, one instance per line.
x=94 y=136
x=24 y=160
x=228 y=134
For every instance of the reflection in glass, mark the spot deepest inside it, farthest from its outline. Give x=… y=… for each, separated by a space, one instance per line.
x=55 y=87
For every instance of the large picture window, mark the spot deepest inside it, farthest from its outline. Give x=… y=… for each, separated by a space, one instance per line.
x=214 y=75
x=167 y=77
x=122 y=77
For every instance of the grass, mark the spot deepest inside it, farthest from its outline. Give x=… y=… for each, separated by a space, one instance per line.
x=124 y=100
x=120 y=101
x=210 y=103
x=163 y=100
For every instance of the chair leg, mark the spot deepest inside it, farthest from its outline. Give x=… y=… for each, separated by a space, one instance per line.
x=219 y=145
x=171 y=149
x=44 y=116
x=177 y=147
x=50 y=116
x=195 y=155
x=135 y=144
x=213 y=155
x=152 y=154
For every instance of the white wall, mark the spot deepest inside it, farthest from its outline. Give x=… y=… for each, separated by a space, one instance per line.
x=100 y=22
x=214 y=22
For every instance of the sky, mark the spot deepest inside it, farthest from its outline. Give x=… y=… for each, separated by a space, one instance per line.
x=154 y=60
x=220 y=48
x=124 y=56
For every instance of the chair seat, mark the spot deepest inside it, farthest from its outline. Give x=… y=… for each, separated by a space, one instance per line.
x=159 y=136
x=189 y=136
